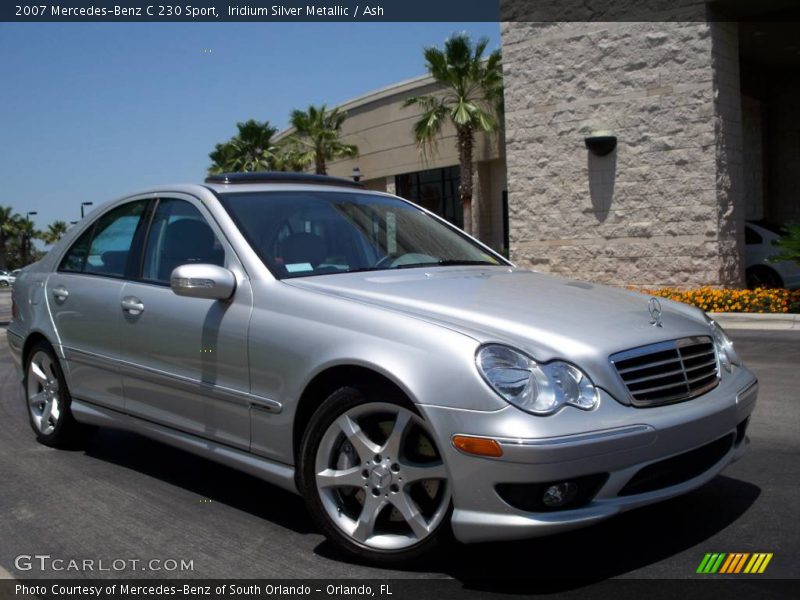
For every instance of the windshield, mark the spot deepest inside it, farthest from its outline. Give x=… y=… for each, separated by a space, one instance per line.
x=299 y=234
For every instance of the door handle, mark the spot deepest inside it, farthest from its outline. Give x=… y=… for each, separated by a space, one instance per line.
x=132 y=305
x=60 y=293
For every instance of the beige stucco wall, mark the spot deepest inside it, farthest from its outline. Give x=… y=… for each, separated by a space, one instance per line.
x=489 y=185
x=382 y=129
x=661 y=208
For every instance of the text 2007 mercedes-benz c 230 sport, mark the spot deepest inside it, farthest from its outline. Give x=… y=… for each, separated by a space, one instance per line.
x=348 y=345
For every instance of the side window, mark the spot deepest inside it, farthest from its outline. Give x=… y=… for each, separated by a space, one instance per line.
x=178 y=235
x=104 y=249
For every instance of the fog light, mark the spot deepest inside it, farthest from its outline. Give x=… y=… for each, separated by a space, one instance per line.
x=559 y=494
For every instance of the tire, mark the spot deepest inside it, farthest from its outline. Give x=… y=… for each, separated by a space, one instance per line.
x=48 y=400
x=763 y=277
x=373 y=479
x=4 y=283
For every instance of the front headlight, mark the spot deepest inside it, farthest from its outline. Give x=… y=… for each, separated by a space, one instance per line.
x=727 y=355
x=536 y=388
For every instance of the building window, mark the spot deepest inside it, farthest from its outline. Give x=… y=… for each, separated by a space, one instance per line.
x=436 y=190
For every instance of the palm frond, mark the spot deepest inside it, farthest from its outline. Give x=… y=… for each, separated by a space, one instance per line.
x=472 y=90
x=318 y=132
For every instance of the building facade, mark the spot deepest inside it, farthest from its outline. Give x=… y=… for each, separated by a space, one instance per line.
x=705 y=115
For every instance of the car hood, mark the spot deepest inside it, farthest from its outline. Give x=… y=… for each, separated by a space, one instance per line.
x=548 y=317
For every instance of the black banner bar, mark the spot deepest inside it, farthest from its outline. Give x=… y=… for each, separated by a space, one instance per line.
x=396 y=10
x=749 y=587
x=250 y=10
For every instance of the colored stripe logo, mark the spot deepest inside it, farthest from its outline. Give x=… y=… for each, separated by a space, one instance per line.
x=734 y=563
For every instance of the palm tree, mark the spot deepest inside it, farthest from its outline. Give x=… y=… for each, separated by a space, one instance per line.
x=223 y=159
x=55 y=231
x=471 y=101
x=27 y=232
x=251 y=149
x=9 y=229
x=290 y=156
x=317 y=137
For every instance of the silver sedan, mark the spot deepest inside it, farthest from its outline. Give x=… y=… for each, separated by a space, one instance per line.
x=406 y=380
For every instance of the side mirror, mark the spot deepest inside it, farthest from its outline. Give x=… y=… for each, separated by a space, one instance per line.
x=203 y=281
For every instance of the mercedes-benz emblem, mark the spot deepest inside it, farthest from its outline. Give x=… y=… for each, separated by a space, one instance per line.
x=654 y=306
x=380 y=477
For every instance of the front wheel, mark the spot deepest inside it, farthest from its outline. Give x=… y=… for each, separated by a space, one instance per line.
x=373 y=477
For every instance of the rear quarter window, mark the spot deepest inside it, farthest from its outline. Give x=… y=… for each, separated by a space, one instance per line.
x=105 y=247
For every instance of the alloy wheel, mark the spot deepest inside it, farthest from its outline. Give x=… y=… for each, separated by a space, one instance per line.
x=380 y=477
x=44 y=393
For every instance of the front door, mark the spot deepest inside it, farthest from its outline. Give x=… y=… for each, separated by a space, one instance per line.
x=184 y=360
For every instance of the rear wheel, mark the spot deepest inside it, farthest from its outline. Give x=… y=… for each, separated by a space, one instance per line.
x=373 y=477
x=48 y=399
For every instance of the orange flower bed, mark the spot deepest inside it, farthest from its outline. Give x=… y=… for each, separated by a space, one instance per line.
x=710 y=299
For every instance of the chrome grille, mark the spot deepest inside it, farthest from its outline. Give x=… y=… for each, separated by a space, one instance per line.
x=668 y=372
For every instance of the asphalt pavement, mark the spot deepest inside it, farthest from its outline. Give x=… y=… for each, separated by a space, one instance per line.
x=126 y=497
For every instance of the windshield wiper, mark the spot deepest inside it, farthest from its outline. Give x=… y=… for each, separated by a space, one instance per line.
x=438 y=263
x=360 y=270
x=467 y=262
x=446 y=263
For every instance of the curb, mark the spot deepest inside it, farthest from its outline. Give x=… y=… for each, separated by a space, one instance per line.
x=773 y=321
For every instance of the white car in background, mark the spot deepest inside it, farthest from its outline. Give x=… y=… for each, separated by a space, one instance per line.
x=760 y=272
x=6 y=279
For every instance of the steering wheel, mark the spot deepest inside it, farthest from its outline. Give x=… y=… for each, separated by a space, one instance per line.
x=395 y=260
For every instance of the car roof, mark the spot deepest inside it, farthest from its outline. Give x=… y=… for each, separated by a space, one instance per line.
x=278 y=181
x=200 y=189
x=280 y=177
x=283 y=187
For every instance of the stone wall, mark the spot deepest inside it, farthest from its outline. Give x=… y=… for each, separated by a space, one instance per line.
x=728 y=150
x=659 y=210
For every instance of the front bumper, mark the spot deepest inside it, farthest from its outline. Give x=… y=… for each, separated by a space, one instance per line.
x=613 y=439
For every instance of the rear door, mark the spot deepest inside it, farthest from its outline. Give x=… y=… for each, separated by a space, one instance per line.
x=184 y=360
x=84 y=299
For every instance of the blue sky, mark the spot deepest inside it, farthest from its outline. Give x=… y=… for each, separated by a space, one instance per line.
x=90 y=112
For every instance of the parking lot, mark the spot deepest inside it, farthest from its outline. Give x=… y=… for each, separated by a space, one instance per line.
x=124 y=496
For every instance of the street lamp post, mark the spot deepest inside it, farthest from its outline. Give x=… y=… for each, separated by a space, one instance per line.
x=85 y=204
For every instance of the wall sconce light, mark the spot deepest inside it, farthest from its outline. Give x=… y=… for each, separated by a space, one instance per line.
x=601 y=143
x=356 y=174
